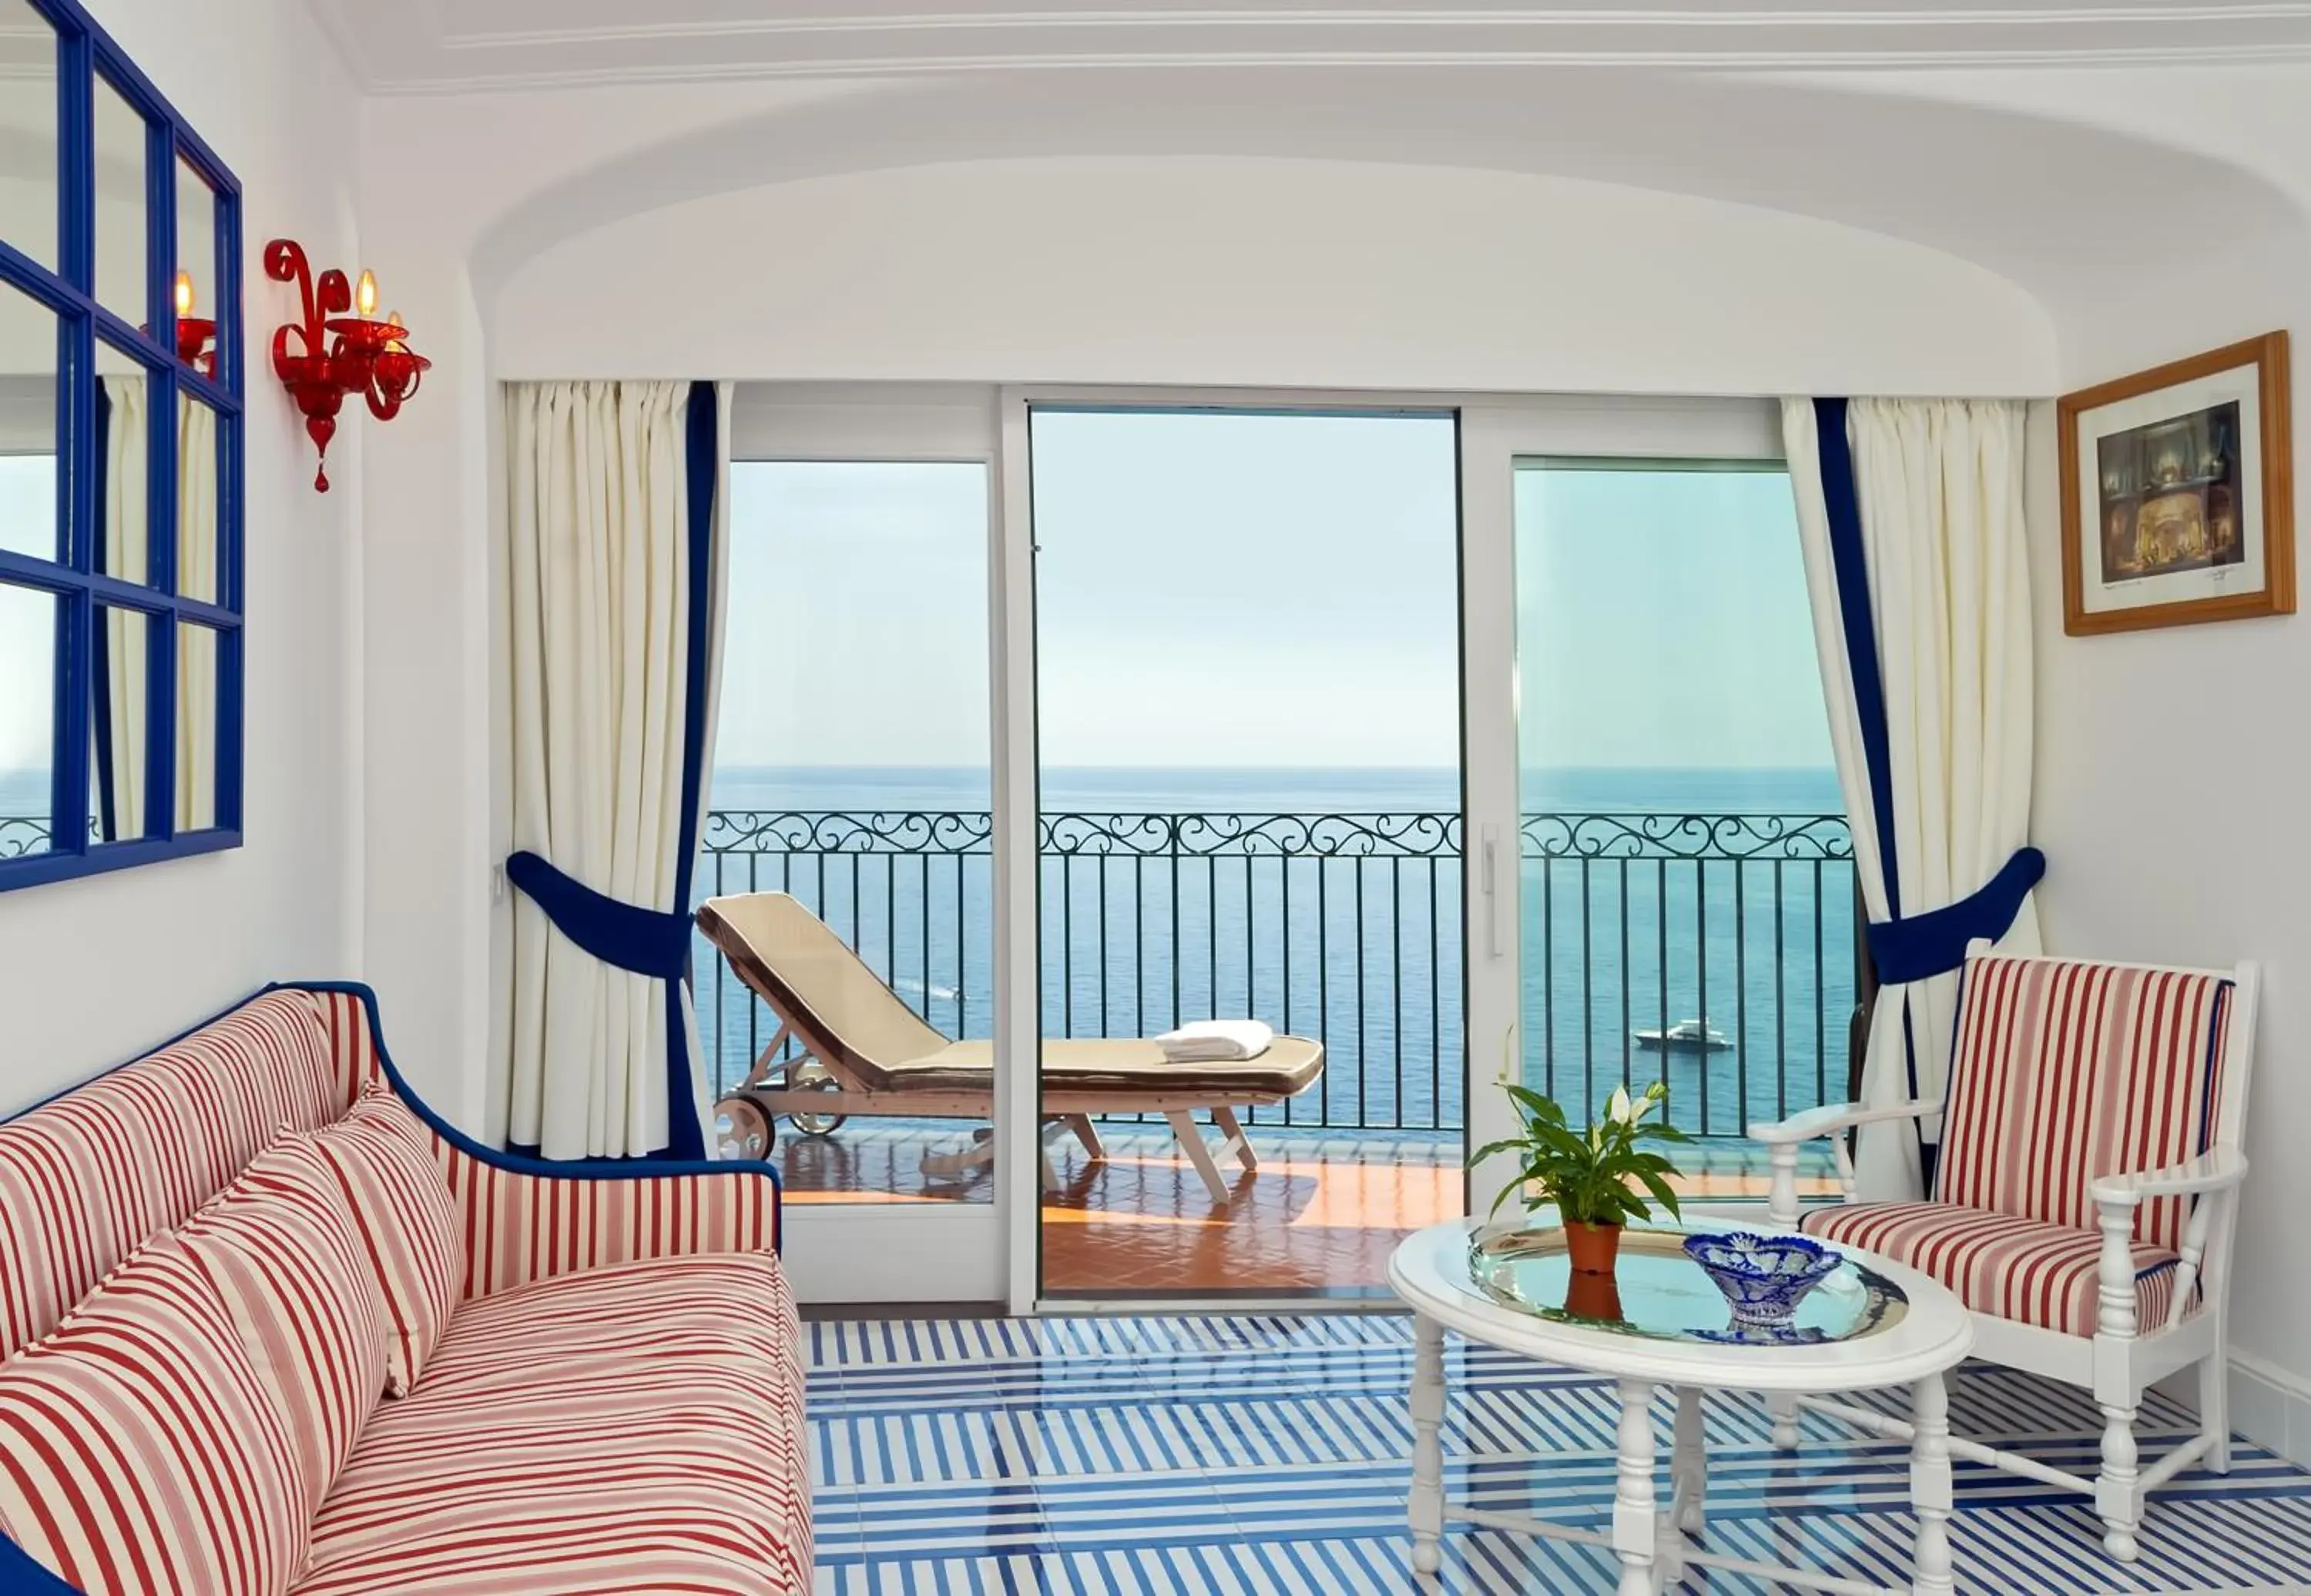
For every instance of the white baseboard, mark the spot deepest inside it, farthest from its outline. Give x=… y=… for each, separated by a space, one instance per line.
x=2269 y=1406
x=2272 y=1408
x=894 y=1252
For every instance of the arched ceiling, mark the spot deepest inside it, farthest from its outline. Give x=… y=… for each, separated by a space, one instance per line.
x=451 y=45
x=2054 y=206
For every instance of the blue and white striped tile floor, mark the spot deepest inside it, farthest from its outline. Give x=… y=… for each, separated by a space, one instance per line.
x=1140 y=1456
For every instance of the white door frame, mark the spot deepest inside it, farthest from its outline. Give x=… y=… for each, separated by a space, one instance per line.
x=1023 y=1209
x=882 y=1253
x=1495 y=433
x=971 y=1253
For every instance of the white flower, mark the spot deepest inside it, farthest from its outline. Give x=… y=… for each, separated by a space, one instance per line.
x=1619 y=1109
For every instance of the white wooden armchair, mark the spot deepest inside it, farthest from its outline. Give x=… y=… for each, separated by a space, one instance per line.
x=2083 y=1201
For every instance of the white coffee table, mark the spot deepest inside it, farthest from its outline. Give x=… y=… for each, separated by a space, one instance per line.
x=1932 y=1334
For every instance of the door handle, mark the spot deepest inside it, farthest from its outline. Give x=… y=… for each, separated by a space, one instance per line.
x=1488 y=866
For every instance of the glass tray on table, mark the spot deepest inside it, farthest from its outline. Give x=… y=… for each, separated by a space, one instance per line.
x=1657 y=1291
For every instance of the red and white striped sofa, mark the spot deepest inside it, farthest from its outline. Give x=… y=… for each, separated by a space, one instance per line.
x=215 y=1261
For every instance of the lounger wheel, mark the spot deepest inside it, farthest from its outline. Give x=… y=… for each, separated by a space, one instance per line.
x=809 y=1075
x=742 y=1129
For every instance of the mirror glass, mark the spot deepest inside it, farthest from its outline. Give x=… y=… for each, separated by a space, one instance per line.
x=197 y=499
x=197 y=651
x=124 y=435
x=27 y=131
x=120 y=151
x=197 y=258
x=28 y=719
x=118 y=804
x=29 y=519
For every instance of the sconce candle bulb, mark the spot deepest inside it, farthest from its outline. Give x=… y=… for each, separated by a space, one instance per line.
x=193 y=332
x=342 y=355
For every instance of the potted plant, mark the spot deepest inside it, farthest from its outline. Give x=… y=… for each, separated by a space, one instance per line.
x=1592 y=1177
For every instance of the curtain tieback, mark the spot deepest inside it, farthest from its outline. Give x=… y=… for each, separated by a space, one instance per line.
x=1919 y=946
x=646 y=941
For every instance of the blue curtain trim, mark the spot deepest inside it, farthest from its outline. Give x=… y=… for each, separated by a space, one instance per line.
x=1842 y=499
x=1935 y=942
x=1850 y=561
x=702 y=460
x=646 y=941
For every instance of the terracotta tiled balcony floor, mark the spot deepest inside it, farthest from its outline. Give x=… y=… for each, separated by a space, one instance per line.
x=1322 y=1215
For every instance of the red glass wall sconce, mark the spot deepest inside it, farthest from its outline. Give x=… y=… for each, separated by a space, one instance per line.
x=341 y=354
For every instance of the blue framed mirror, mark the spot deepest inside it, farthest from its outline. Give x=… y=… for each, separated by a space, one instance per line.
x=121 y=642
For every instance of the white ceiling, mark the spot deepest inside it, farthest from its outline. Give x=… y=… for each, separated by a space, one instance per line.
x=451 y=45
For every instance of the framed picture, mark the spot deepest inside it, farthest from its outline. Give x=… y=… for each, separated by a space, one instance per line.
x=2178 y=503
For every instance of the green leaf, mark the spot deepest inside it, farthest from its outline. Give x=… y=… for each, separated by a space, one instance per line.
x=1541 y=1107
x=1662 y=1189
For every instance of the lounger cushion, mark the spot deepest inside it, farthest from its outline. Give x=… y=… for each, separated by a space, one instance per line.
x=636 y=1428
x=2010 y=1268
x=287 y=1255
x=1134 y=1064
x=139 y=1452
x=384 y=1163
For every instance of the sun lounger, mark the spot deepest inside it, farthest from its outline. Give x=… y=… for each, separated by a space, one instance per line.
x=864 y=1052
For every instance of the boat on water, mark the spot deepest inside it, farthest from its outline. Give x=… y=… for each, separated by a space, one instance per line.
x=1687 y=1036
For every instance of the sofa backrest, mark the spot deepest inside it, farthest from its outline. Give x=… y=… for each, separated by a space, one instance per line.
x=86 y=1178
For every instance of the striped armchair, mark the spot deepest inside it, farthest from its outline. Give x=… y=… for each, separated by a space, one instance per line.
x=2084 y=1197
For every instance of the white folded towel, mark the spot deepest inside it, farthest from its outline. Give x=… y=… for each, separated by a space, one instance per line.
x=1216 y=1041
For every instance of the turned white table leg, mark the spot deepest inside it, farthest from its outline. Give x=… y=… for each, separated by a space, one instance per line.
x=1781 y=1407
x=1428 y=1506
x=1688 y=1467
x=1634 y=1532
x=1930 y=1496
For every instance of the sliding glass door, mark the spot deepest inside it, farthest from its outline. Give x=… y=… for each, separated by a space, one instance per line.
x=1669 y=877
x=1248 y=720
x=850 y=838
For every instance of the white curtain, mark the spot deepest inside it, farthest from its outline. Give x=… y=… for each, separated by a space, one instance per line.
x=1939 y=490
x=197 y=647
x=123 y=633
x=126 y=633
x=598 y=589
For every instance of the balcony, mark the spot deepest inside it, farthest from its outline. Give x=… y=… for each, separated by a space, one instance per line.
x=1346 y=927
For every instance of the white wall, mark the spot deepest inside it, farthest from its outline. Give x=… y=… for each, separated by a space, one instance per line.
x=1208 y=269
x=95 y=971
x=2171 y=768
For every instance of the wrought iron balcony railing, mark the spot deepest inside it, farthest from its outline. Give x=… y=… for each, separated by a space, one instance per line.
x=1347 y=927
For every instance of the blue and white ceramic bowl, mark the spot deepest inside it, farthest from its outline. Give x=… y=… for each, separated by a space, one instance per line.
x=1764 y=1277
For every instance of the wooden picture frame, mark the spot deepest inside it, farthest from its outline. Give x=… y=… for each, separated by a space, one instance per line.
x=2188 y=514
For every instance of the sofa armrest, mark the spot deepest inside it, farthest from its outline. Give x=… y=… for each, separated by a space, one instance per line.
x=528 y=1219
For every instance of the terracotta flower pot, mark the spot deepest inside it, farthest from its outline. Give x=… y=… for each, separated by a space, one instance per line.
x=1593 y=1247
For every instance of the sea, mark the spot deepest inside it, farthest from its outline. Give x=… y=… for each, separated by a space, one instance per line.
x=1327 y=902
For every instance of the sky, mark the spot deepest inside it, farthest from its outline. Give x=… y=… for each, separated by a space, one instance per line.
x=28 y=636
x=1233 y=589
x=1223 y=589
x=1662 y=621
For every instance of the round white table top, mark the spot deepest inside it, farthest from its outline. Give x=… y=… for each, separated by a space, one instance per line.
x=1430 y=1272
